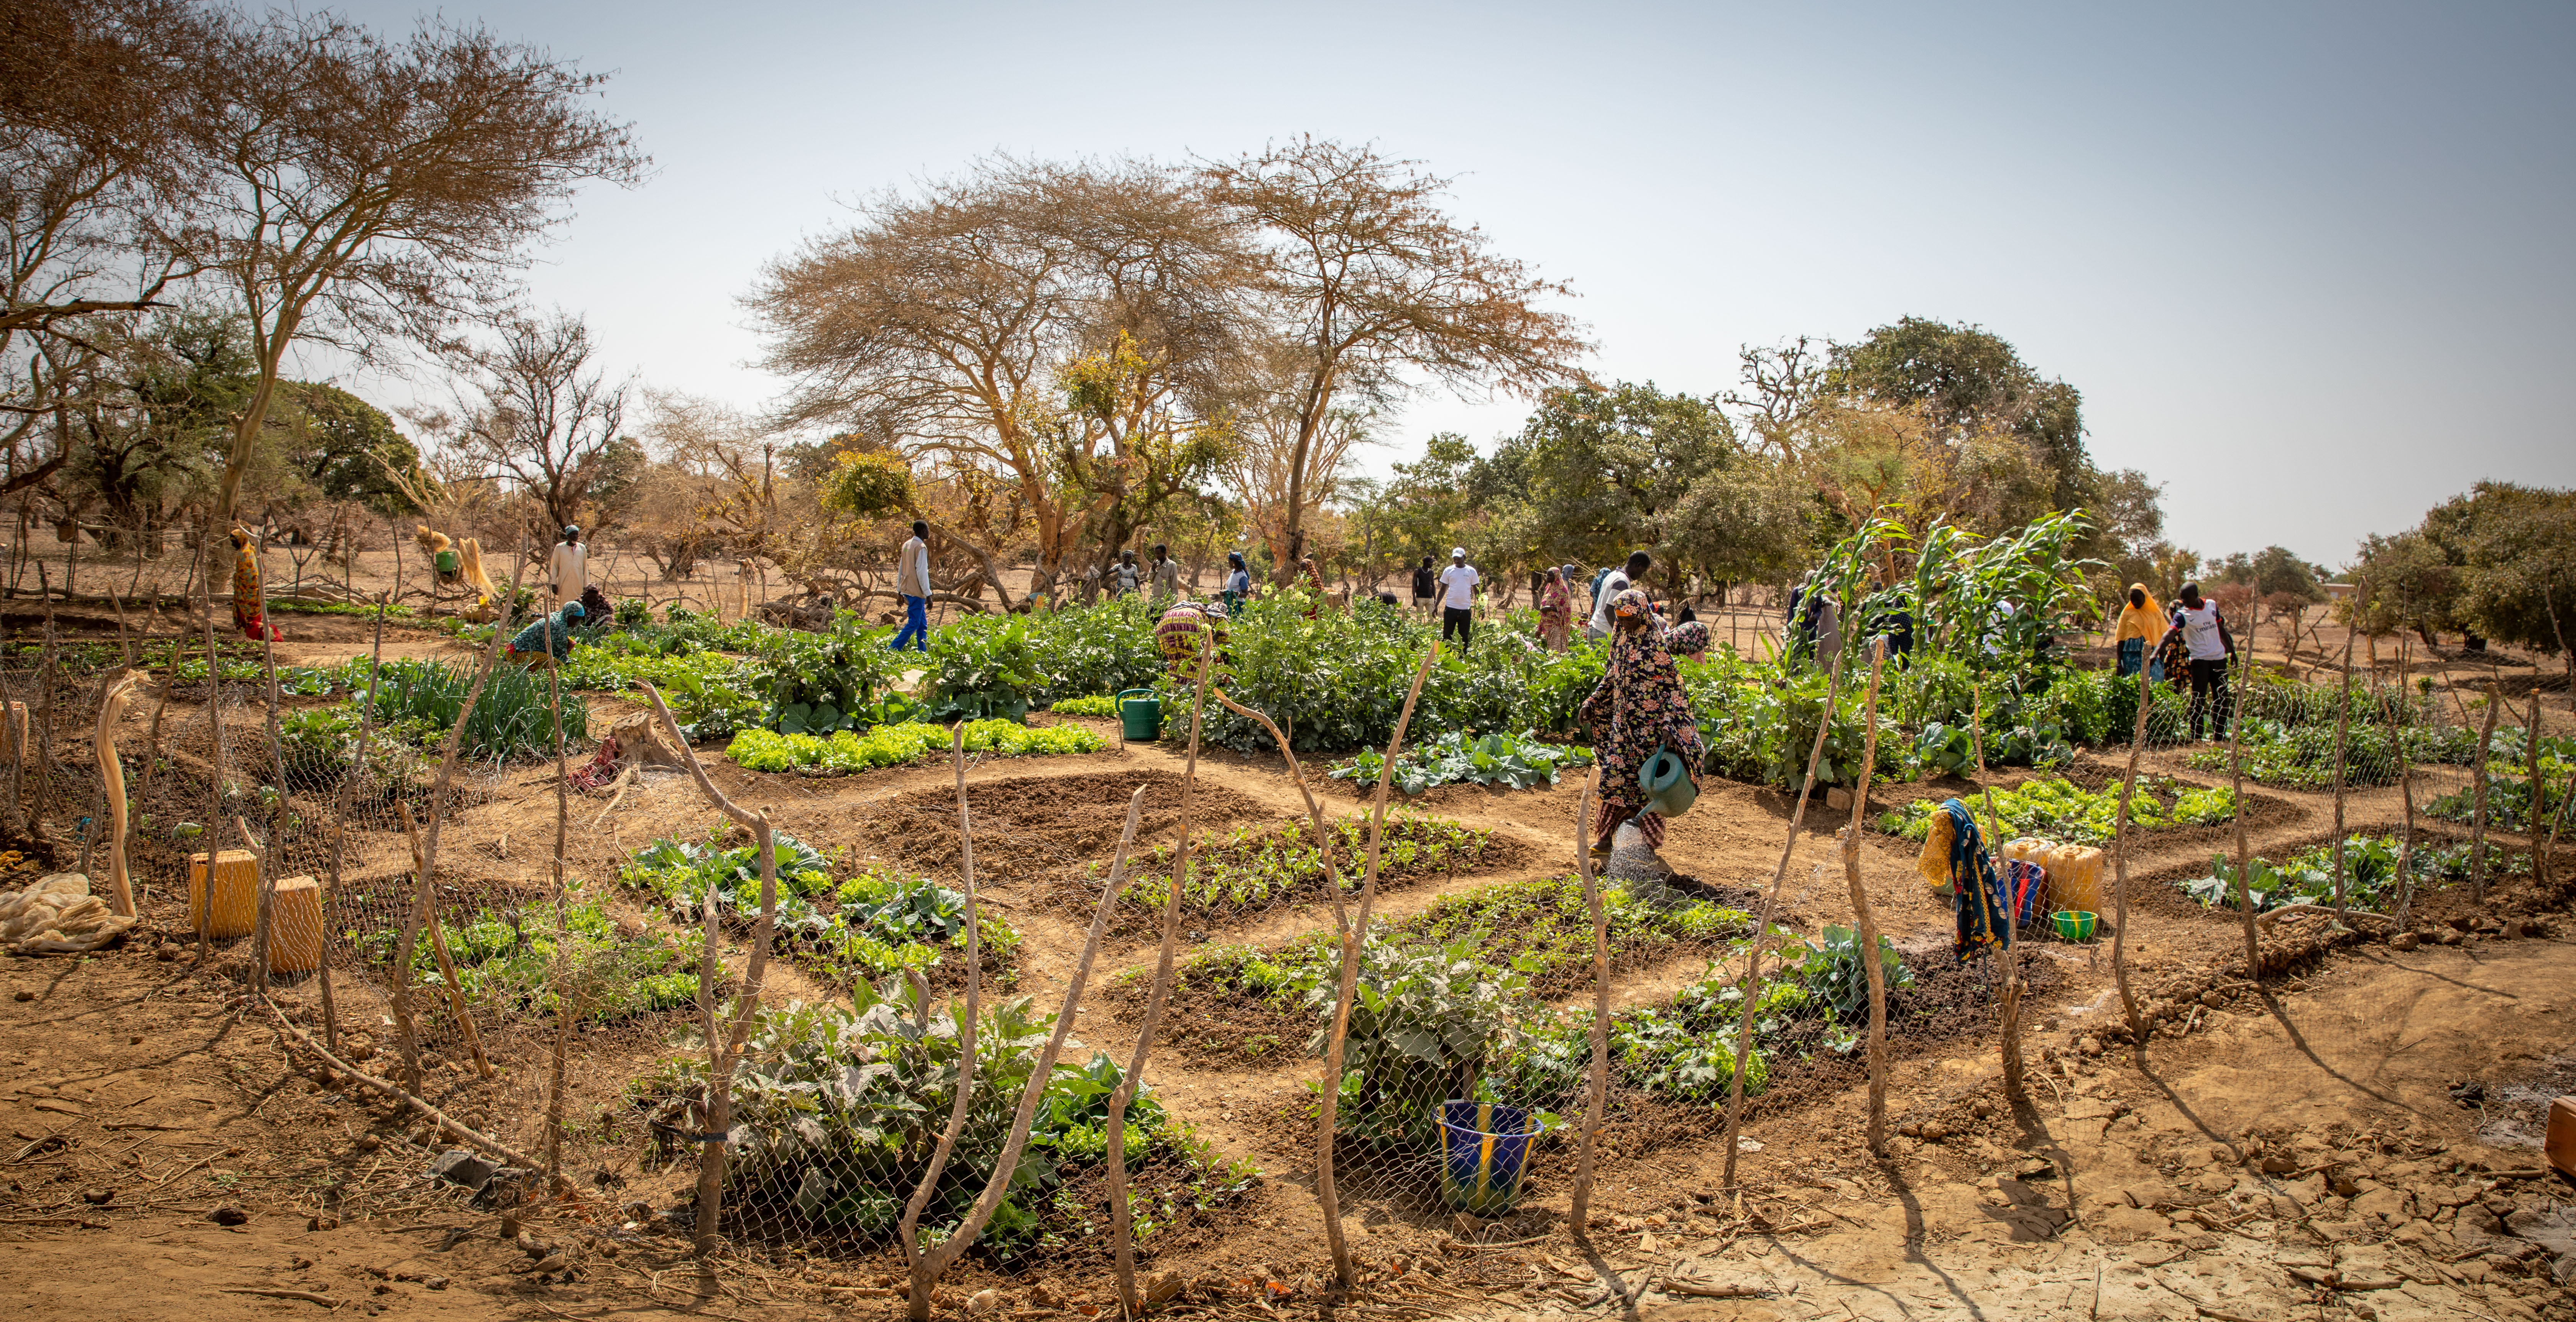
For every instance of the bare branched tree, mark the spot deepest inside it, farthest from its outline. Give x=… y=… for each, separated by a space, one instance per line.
x=950 y=323
x=90 y=92
x=1375 y=287
x=540 y=411
x=371 y=190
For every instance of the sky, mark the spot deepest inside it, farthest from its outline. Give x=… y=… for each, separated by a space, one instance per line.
x=2309 y=264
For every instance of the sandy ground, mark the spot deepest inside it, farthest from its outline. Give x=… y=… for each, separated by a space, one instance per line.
x=2158 y=1196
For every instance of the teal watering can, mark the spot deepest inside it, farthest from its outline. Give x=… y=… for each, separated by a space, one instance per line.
x=1666 y=779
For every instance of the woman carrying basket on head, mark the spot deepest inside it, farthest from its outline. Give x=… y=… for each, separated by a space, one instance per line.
x=1638 y=709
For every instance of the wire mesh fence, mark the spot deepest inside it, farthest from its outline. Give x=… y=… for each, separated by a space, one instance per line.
x=895 y=1094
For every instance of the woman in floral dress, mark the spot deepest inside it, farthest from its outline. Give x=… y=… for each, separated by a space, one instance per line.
x=1639 y=707
x=1555 y=611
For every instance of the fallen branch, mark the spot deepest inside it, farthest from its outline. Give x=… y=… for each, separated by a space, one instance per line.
x=307 y=1295
x=465 y=1134
x=1676 y=1285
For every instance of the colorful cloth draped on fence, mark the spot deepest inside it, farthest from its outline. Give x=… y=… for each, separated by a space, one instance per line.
x=246 y=608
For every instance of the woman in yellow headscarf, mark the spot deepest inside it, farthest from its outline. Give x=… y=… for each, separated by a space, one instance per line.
x=2142 y=626
x=246 y=605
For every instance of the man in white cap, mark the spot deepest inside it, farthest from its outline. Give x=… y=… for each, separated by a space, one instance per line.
x=1458 y=598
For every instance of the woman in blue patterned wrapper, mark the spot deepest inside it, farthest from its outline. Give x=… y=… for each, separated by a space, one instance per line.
x=549 y=638
x=1955 y=861
x=1638 y=708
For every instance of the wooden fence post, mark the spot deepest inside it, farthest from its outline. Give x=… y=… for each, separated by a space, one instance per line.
x=1865 y=914
x=2120 y=873
x=1354 y=941
x=1596 y=1092
x=1762 y=929
x=1122 y=1243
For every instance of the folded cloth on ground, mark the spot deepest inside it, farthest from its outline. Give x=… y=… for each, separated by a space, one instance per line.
x=58 y=916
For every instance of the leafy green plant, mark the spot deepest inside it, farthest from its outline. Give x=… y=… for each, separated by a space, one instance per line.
x=508 y=960
x=1097 y=704
x=897 y=744
x=514 y=717
x=876 y=923
x=1426 y=1023
x=1544 y=927
x=837 y=1109
x=836 y=679
x=1834 y=970
x=1254 y=866
x=2055 y=807
x=1511 y=761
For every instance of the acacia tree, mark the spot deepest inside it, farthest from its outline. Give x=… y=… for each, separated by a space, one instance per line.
x=945 y=324
x=1370 y=286
x=90 y=163
x=541 y=412
x=366 y=189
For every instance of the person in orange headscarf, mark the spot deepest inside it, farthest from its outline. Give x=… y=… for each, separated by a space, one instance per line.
x=246 y=602
x=2142 y=626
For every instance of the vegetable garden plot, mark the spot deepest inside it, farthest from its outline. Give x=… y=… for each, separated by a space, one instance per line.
x=1034 y=828
x=847 y=930
x=836 y=1111
x=2056 y=807
x=1254 y=1004
x=1263 y=868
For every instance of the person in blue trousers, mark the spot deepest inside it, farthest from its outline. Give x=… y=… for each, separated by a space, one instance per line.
x=912 y=579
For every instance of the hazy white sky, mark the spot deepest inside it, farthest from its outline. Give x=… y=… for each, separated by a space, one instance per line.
x=2310 y=265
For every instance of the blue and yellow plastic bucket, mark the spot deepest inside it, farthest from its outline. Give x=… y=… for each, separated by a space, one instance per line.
x=1484 y=1152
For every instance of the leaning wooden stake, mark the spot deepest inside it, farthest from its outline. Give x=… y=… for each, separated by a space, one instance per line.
x=409 y=943
x=1314 y=807
x=2008 y=1013
x=261 y=933
x=2236 y=773
x=724 y=1048
x=925 y=1274
x=2478 y=808
x=2343 y=735
x=1007 y=1164
x=1596 y=1093
x=2538 y=791
x=340 y=815
x=1867 y=914
x=563 y=979
x=2405 y=790
x=456 y=1002
x=1121 y=1236
x=463 y=1133
x=2120 y=876
x=1762 y=930
x=1354 y=940
x=111 y=773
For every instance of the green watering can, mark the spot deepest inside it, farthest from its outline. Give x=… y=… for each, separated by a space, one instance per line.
x=1140 y=714
x=1666 y=779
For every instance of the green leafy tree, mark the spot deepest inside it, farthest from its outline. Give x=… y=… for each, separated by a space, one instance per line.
x=2406 y=582
x=345 y=448
x=2515 y=548
x=1972 y=381
x=1599 y=472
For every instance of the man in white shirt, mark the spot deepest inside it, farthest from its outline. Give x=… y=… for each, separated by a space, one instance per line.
x=571 y=566
x=1458 y=598
x=912 y=581
x=1610 y=587
x=2207 y=644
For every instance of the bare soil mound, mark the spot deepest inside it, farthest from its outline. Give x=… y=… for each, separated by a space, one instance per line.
x=1039 y=827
